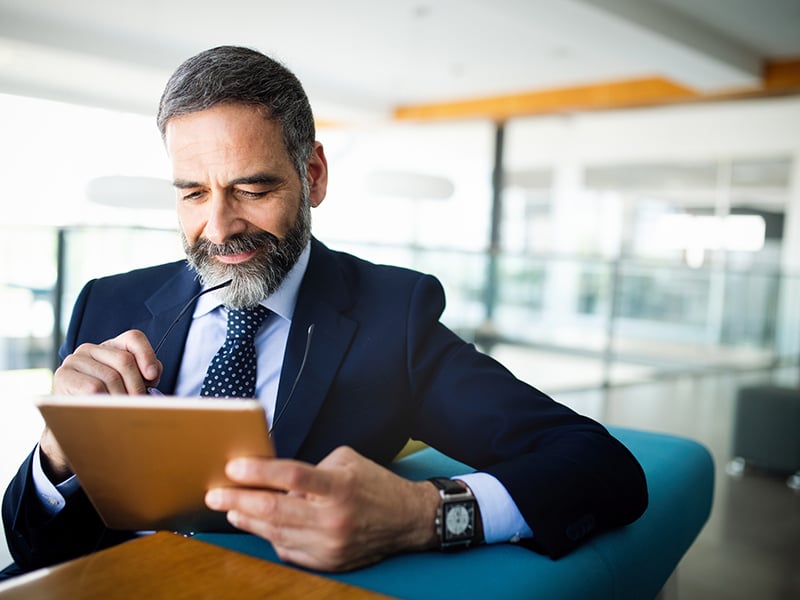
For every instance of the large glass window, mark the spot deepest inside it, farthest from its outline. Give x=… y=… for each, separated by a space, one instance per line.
x=649 y=250
x=622 y=246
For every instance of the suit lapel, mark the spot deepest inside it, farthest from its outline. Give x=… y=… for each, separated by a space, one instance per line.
x=165 y=305
x=324 y=296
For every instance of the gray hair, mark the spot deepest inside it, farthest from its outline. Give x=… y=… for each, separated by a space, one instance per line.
x=236 y=75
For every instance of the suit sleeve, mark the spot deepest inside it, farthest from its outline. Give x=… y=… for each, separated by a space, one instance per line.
x=36 y=539
x=568 y=476
x=75 y=321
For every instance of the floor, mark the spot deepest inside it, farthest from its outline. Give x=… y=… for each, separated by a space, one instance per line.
x=750 y=548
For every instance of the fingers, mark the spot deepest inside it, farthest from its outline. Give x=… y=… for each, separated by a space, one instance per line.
x=294 y=505
x=123 y=365
x=261 y=511
x=281 y=518
x=347 y=511
x=301 y=531
x=137 y=344
x=281 y=474
x=261 y=493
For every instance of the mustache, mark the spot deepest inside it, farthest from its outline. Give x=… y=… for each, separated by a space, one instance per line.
x=242 y=242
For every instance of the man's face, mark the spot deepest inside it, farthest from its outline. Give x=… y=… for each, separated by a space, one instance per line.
x=243 y=211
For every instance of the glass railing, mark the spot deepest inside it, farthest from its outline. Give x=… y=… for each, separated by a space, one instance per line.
x=558 y=321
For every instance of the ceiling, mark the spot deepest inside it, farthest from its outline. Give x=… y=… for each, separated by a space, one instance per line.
x=362 y=59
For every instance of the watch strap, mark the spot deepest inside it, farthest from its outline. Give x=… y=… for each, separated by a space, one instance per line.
x=448 y=486
x=452 y=492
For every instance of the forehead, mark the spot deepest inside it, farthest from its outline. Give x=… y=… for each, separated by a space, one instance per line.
x=231 y=135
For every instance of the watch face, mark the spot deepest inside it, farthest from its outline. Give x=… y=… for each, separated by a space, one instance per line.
x=459 y=520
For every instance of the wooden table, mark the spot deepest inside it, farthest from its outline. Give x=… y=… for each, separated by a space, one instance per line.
x=170 y=566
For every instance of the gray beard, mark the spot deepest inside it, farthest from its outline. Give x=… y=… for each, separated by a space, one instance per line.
x=261 y=275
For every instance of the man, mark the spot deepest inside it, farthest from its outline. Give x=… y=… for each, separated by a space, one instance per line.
x=380 y=367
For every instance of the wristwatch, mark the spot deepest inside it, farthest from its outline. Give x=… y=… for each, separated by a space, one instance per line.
x=457 y=518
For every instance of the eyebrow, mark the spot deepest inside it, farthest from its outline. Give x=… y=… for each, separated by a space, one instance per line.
x=257 y=179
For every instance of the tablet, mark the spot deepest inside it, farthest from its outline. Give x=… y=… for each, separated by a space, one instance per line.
x=146 y=461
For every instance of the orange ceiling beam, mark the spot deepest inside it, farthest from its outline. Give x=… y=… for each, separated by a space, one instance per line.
x=780 y=77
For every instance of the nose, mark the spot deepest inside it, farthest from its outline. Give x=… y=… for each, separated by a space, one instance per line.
x=223 y=220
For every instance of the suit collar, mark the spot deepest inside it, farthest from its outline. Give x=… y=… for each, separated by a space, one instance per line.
x=164 y=305
x=325 y=295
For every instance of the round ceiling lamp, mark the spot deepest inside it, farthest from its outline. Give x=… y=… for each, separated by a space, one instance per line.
x=121 y=191
x=402 y=184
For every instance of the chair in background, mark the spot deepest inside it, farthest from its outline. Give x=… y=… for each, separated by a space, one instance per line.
x=766 y=432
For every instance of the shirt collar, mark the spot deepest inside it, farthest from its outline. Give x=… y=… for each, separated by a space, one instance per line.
x=281 y=302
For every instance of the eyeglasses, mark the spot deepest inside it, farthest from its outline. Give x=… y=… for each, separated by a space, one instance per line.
x=186 y=307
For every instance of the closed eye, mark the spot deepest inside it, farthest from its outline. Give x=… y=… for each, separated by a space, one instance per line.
x=189 y=190
x=249 y=195
x=192 y=195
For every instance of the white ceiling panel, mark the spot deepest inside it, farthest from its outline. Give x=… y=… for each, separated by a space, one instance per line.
x=363 y=58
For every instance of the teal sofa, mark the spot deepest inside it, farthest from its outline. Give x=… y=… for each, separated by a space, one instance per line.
x=629 y=563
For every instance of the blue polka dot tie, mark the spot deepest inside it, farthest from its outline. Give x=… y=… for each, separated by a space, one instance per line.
x=232 y=372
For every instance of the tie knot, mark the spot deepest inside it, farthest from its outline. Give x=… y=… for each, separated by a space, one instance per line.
x=244 y=322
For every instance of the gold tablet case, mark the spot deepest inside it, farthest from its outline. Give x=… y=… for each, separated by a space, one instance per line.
x=146 y=462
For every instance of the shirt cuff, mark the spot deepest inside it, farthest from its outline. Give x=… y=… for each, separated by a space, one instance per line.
x=52 y=497
x=502 y=521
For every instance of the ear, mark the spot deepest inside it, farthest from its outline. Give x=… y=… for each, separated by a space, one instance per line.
x=317 y=173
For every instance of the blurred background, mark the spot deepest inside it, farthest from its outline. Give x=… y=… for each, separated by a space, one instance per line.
x=609 y=191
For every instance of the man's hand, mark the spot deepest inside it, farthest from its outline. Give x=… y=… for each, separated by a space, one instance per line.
x=344 y=513
x=126 y=364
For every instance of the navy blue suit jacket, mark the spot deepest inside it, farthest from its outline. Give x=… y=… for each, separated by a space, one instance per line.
x=381 y=369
